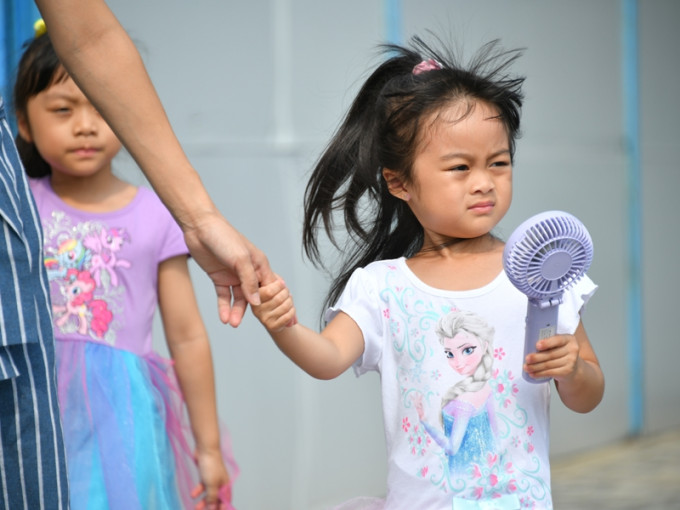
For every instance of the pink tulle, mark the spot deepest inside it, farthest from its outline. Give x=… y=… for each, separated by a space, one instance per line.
x=181 y=438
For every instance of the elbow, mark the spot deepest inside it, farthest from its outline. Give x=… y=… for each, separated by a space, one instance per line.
x=325 y=374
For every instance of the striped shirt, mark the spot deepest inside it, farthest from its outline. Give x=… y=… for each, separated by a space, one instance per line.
x=32 y=459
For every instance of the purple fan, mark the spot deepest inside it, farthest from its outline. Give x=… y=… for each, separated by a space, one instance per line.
x=544 y=256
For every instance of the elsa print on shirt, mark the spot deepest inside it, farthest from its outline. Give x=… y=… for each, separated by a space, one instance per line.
x=467 y=421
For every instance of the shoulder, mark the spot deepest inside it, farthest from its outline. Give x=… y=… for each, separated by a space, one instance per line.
x=148 y=200
x=380 y=267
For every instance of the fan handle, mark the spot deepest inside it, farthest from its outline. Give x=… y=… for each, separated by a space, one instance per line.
x=541 y=322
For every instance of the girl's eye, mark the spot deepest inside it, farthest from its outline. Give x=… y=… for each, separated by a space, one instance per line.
x=500 y=163
x=468 y=350
x=449 y=354
x=459 y=168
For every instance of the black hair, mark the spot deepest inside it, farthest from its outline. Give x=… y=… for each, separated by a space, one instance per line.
x=382 y=130
x=39 y=68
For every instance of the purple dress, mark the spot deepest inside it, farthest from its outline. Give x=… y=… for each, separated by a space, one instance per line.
x=128 y=441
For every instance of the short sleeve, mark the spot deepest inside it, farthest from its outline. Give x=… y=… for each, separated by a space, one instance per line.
x=573 y=305
x=360 y=300
x=170 y=237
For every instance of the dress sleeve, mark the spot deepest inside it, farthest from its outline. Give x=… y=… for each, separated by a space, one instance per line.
x=573 y=305
x=170 y=238
x=361 y=302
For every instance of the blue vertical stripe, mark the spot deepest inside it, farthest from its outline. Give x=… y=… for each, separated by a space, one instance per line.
x=631 y=96
x=16 y=26
x=394 y=21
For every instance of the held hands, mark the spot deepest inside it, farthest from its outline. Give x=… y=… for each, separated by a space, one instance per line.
x=215 y=487
x=276 y=310
x=235 y=266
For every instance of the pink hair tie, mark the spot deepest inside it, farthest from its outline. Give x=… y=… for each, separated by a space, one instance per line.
x=426 y=65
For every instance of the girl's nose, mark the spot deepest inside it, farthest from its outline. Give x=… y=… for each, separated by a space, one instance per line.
x=482 y=180
x=86 y=122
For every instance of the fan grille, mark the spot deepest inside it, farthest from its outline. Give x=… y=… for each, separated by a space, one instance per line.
x=547 y=254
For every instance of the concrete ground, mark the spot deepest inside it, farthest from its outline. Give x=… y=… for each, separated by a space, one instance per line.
x=636 y=474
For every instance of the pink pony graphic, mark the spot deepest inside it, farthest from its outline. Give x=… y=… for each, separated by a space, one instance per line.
x=105 y=246
x=80 y=305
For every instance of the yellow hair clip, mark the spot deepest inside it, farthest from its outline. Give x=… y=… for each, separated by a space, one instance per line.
x=39 y=28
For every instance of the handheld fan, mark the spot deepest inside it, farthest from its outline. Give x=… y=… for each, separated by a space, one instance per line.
x=543 y=257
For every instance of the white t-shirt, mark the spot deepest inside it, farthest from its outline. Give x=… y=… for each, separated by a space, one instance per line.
x=487 y=447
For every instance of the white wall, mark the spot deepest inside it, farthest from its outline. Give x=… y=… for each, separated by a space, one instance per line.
x=255 y=89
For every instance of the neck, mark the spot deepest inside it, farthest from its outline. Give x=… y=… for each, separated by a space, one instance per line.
x=100 y=192
x=444 y=247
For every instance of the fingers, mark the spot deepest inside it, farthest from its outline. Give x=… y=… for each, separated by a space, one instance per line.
x=556 y=357
x=253 y=273
x=223 y=302
x=277 y=310
x=238 y=306
x=213 y=499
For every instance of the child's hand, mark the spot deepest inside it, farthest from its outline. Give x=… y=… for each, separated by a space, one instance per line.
x=557 y=357
x=277 y=310
x=215 y=486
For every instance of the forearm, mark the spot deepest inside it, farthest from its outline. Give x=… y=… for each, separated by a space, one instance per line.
x=195 y=374
x=317 y=355
x=104 y=62
x=583 y=390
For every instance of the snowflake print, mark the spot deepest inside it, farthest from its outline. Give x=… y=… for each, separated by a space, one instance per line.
x=435 y=375
x=499 y=353
x=530 y=430
x=405 y=424
x=417 y=372
x=386 y=313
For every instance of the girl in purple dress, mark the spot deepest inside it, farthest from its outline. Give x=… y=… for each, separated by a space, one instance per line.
x=141 y=432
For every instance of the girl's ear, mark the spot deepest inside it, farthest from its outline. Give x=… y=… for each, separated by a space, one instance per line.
x=395 y=184
x=24 y=128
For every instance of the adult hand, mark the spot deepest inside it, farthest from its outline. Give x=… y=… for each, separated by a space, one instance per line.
x=233 y=263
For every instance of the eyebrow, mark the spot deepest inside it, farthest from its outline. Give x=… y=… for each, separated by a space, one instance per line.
x=61 y=95
x=454 y=155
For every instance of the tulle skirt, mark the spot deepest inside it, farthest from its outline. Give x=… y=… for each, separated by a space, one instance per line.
x=127 y=436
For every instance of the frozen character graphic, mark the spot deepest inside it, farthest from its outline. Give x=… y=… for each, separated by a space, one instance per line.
x=467 y=415
x=104 y=246
x=71 y=254
x=82 y=313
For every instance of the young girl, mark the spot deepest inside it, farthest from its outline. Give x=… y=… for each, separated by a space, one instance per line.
x=112 y=252
x=421 y=169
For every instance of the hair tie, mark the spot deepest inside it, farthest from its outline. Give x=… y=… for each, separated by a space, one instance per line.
x=39 y=28
x=426 y=65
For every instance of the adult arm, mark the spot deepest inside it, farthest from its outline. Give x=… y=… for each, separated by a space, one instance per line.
x=103 y=61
